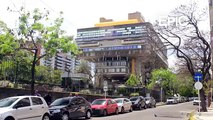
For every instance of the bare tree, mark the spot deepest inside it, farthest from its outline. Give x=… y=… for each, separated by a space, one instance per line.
x=188 y=41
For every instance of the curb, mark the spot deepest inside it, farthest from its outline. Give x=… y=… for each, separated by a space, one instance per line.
x=192 y=115
x=161 y=104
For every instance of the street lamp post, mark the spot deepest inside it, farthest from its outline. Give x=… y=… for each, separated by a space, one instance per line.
x=161 y=94
x=161 y=90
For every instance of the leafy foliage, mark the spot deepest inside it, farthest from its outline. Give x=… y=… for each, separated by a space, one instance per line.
x=133 y=80
x=47 y=75
x=166 y=79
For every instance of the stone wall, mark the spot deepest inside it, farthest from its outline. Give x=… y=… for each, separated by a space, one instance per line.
x=8 y=92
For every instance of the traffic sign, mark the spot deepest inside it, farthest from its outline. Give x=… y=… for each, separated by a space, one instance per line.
x=198 y=85
x=198 y=76
x=105 y=83
x=105 y=88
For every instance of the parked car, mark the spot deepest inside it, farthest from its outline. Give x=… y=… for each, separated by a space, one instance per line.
x=124 y=105
x=24 y=108
x=196 y=101
x=70 y=107
x=104 y=107
x=172 y=100
x=138 y=102
x=150 y=102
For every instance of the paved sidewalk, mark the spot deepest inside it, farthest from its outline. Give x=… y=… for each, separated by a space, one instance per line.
x=160 y=103
x=205 y=115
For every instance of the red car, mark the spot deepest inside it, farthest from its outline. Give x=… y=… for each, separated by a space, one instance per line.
x=104 y=107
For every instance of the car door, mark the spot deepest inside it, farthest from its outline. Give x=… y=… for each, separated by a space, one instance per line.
x=23 y=109
x=114 y=106
x=82 y=107
x=73 y=108
x=128 y=104
x=109 y=107
x=38 y=107
x=142 y=101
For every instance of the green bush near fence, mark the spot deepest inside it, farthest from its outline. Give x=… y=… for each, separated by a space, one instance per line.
x=134 y=94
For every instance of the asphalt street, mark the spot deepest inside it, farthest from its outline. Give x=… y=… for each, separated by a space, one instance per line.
x=165 y=112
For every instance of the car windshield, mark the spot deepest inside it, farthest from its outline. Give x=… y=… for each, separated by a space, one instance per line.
x=7 y=102
x=171 y=98
x=195 y=98
x=99 y=102
x=133 y=99
x=119 y=100
x=61 y=102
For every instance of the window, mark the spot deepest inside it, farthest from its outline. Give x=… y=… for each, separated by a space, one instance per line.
x=123 y=63
x=36 y=101
x=113 y=102
x=75 y=101
x=80 y=101
x=117 y=69
x=109 y=102
x=61 y=102
x=23 y=102
x=111 y=70
x=123 y=70
x=125 y=100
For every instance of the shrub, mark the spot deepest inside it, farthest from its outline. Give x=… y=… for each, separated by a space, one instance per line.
x=134 y=94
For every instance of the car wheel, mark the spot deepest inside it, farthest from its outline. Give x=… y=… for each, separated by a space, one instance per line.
x=65 y=116
x=116 y=111
x=88 y=114
x=46 y=117
x=140 y=107
x=104 y=113
x=145 y=106
x=130 y=110
x=122 y=110
x=9 y=118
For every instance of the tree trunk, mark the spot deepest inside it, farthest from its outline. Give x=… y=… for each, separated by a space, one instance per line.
x=33 y=73
x=203 y=100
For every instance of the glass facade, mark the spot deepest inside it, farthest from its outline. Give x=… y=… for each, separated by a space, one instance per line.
x=126 y=47
x=115 y=31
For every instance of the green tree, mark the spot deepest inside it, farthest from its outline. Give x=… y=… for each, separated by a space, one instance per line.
x=189 y=42
x=186 y=87
x=47 y=75
x=36 y=31
x=132 y=81
x=85 y=68
x=8 y=44
x=166 y=79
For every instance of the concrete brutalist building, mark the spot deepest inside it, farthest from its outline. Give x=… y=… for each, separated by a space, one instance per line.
x=121 y=48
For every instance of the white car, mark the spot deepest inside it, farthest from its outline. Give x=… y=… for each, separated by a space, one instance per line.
x=196 y=101
x=172 y=100
x=24 y=108
x=124 y=104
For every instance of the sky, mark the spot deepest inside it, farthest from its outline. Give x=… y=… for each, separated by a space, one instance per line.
x=85 y=13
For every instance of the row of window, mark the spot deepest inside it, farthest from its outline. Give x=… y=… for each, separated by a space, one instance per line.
x=112 y=48
x=26 y=102
x=130 y=52
x=112 y=32
x=113 y=70
x=122 y=63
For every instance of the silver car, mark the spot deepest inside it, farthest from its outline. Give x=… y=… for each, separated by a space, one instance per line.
x=124 y=105
x=172 y=100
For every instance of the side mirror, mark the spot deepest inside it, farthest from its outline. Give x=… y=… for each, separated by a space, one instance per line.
x=17 y=106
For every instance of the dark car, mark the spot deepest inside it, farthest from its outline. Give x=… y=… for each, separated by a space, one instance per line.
x=150 y=102
x=138 y=102
x=70 y=107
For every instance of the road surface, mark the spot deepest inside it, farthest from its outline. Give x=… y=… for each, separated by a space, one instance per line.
x=165 y=112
